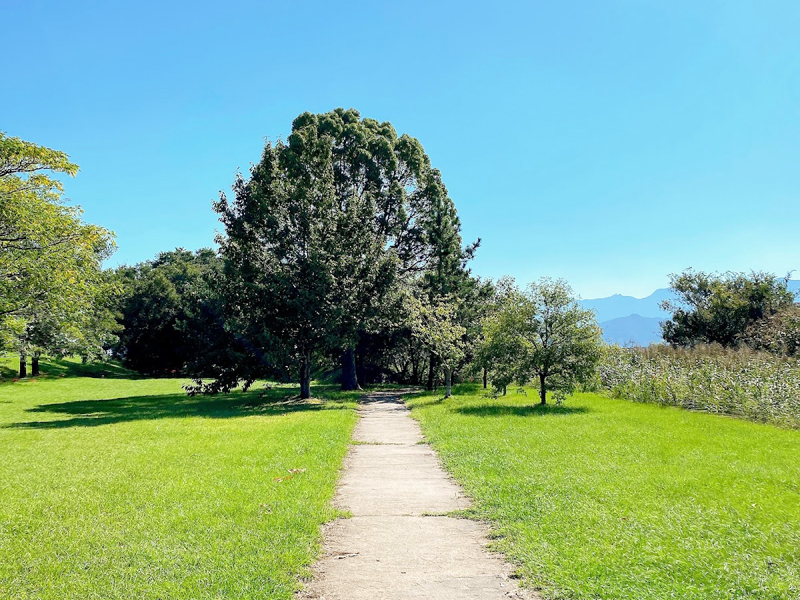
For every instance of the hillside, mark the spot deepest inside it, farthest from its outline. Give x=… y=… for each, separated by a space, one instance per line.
x=633 y=330
x=617 y=306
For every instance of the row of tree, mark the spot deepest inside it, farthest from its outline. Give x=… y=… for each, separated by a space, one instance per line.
x=341 y=254
x=173 y=313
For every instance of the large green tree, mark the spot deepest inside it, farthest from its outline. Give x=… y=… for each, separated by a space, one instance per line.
x=281 y=250
x=50 y=260
x=388 y=199
x=325 y=229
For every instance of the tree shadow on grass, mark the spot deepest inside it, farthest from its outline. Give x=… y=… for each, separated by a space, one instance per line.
x=91 y=413
x=75 y=368
x=529 y=410
x=69 y=367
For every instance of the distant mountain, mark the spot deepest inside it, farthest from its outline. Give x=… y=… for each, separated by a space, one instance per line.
x=626 y=320
x=633 y=330
x=617 y=306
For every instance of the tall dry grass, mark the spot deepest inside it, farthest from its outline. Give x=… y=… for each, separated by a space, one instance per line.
x=753 y=385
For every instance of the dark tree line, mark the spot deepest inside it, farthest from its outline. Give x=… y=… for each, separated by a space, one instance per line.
x=173 y=319
x=170 y=312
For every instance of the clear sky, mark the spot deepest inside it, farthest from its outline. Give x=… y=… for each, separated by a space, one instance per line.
x=610 y=143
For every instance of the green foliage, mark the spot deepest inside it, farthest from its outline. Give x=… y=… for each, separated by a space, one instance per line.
x=329 y=224
x=778 y=333
x=171 y=314
x=719 y=309
x=435 y=327
x=542 y=333
x=755 y=386
x=19 y=158
x=119 y=489
x=602 y=498
x=50 y=261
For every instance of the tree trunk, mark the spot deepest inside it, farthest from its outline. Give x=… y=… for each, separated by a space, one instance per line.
x=305 y=376
x=448 y=382
x=361 y=371
x=542 y=390
x=431 y=372
x=349 y=376
x=35 y=365
x=23 y=366
x=484 y=378
x=505 y=389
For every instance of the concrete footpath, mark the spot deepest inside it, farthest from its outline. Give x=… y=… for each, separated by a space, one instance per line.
x=397 y=546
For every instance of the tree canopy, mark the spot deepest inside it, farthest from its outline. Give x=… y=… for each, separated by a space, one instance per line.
x=327 y=225
x=170 y=313
x=541 y=333
x=721 y=309
x=50 y=260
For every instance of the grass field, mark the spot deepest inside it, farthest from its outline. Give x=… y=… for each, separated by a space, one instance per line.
x=117 y=488
x=607 y=499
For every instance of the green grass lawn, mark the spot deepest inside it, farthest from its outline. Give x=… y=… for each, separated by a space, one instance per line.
x=609 y=499
x=119 y=488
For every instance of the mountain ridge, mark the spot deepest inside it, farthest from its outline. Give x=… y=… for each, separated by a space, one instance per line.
x=626 y=320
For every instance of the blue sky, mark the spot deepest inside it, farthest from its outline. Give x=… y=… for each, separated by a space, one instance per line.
x=610 y=143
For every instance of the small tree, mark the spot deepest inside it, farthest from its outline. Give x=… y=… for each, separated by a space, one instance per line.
x=435 y=326
x=497 y=353
x=543 y=333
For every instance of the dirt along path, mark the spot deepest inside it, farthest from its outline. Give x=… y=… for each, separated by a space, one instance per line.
x=398 y=545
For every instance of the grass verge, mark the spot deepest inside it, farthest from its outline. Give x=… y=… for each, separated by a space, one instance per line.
x=603 y=498
x=115 y=488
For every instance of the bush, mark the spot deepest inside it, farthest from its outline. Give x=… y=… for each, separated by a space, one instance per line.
x=778 y=333
x=753 y=385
